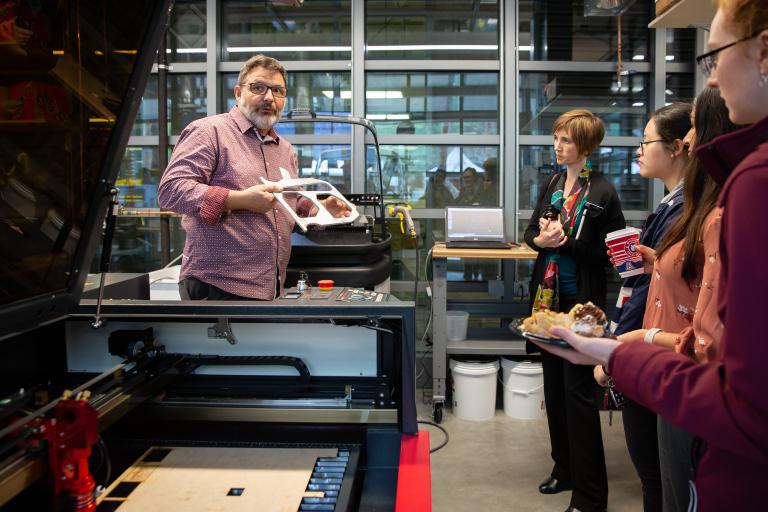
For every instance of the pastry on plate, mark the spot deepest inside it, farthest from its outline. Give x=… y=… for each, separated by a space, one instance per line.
x=588 y=320
x=585 y=319
x=540 y=322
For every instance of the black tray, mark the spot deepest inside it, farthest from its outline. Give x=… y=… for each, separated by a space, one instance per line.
x=516 y=327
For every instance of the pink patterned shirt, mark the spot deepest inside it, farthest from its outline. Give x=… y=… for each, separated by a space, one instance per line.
x=238 y=251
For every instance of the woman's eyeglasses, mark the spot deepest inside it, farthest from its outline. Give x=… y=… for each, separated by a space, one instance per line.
x=643 y=143
x=708 y=61
x=260 y=88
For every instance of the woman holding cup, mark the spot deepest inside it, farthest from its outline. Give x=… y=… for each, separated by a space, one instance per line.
x=661 y=155
x=685 y=268
x=575 y=210
x=723 y=401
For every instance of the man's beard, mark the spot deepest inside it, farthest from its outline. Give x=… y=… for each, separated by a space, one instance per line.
x=262 y=122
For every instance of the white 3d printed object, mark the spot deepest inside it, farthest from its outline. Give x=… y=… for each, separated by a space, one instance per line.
x=323 y=217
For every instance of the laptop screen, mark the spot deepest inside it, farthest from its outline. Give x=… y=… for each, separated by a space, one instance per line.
x=474 y=224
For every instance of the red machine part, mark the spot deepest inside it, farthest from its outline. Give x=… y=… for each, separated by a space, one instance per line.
x=414 y=483
x=70 y=433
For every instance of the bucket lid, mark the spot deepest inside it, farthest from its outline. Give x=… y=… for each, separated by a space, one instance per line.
x=457 y=313
x=522 y=367
x=475 y=367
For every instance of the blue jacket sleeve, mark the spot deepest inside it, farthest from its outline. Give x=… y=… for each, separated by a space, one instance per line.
x=631 y=315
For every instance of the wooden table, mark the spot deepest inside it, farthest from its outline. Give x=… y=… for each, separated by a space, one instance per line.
x=440 y=345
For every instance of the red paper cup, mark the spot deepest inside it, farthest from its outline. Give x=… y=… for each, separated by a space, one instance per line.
x=622 y=244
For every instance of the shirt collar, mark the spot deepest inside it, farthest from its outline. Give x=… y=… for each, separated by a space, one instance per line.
x=244 y=124
x=672 y=192
x=725 y=152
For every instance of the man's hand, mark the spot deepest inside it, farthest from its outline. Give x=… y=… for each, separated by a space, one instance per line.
x=336 y=207
x=258 y=198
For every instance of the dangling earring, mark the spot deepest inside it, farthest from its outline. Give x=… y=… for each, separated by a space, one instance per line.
x=763 y=79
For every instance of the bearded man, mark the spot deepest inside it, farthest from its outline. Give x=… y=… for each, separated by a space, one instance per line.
x=238 y=237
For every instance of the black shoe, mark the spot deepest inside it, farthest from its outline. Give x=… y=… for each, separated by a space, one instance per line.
x=553 y=486
x=574 y=509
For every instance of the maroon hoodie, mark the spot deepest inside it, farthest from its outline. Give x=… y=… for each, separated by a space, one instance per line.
x=725 y=402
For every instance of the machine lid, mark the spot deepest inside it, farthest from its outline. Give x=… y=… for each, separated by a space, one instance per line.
x=71 y=81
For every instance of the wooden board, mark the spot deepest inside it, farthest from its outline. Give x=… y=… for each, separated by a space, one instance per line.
x=684 y=14
x=201 y=479
x=519 y=252
x=663 y=5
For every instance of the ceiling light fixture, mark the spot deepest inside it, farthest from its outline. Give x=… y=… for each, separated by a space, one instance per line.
x=273 y=49
x=423 y=47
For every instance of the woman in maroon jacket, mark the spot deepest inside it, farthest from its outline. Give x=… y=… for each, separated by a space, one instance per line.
x=724 y=402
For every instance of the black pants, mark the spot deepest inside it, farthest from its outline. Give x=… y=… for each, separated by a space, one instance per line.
x=574 y=429
x=643 y=446
x=675 y=461
x=194 y=289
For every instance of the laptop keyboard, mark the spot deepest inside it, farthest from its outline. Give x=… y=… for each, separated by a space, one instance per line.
x=476 y=244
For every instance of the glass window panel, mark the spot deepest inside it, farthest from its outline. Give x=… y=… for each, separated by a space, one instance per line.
x=433 y=102
x=681 y=45
x=432 y=29
x=55 y=130
x=557 y=30
x=187 y=100
x=136 y=245
x=617 y=164
x=624 y=107
x=405 y=259
x=680 y=87
x=186 y=32
x=410 y=174
x=138 y=177
x=332 y=163
x=146 y=117
x=318 y=30
x=326 y=93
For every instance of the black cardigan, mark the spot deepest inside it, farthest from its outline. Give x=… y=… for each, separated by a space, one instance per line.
x=589 y=251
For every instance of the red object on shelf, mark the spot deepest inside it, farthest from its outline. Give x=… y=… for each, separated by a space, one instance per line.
x=414 y=481
x=38 y=101
x=325 y=285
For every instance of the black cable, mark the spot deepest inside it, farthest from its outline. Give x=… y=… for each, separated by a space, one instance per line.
x=102 y=446
x=447 y=438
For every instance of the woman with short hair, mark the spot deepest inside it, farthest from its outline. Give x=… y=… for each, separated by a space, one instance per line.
x=575 y=210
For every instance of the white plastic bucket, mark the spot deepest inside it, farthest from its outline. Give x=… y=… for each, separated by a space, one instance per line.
x=457 y=325
x=474 y=389
x=523 y=389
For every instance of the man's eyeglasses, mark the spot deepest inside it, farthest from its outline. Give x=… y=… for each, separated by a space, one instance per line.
x=260 y=88
x=708 y=61
x=643 y=143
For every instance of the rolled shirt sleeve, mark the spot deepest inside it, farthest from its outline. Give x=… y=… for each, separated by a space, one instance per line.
x=184 y=187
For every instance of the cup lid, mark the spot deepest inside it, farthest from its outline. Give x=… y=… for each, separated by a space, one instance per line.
x=622 y=232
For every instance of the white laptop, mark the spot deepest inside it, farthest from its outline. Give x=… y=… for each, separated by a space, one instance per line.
x=475 y=227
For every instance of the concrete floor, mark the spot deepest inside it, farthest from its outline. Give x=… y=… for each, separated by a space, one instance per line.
x=497 y=465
